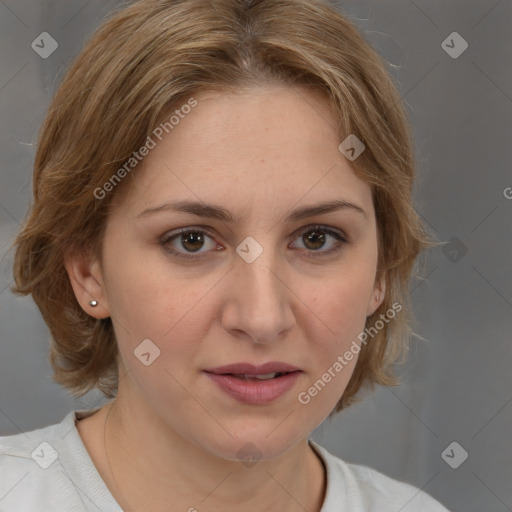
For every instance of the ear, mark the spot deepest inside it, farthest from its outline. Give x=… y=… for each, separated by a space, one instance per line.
x=86 y=277
x=378 y=294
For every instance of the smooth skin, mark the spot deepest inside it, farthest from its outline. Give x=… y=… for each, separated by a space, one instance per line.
x=172 y=435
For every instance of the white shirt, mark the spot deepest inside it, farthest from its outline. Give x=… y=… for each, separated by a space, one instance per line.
x=50 y=470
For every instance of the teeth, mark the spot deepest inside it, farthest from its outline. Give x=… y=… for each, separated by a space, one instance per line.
x=261 y=377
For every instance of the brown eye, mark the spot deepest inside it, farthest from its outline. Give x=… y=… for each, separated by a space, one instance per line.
x=192 y=240
x=188 y=243
x=196 y=243
x=316 y=238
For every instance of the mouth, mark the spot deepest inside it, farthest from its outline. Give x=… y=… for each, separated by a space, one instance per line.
x=255 y=385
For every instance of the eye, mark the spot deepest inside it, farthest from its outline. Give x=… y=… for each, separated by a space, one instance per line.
x=194 y=243
x=188 y=242
x=315 y=238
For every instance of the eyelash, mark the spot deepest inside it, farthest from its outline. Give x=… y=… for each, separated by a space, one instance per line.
x=339 y=237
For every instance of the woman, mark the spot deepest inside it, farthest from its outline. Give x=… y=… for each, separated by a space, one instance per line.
x=221 y=240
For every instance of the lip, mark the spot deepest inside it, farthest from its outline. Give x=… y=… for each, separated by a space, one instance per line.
x=256 y=392
x=250 y=369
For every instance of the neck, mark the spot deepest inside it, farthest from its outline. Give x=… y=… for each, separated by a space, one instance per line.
x=151 y=467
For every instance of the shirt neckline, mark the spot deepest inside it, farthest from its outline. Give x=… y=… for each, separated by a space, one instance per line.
x=92 y=484
x=84 y=475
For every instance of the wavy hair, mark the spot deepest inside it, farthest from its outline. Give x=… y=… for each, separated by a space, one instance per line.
x=144 y=60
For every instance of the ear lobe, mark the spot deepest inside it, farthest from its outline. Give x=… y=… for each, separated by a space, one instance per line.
x=86 y=279
x=378 y=295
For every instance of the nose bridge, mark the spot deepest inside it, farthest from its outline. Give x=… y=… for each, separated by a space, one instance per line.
x=260 y=279
x=262 y=300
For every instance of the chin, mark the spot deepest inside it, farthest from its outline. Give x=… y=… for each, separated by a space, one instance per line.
x=254 y=444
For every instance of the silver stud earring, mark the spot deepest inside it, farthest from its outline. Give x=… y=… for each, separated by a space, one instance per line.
x=93 y=303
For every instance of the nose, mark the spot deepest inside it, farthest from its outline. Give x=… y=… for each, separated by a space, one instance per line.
x=260 y=303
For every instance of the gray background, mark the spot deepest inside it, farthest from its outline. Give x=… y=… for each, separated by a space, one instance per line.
x=457 y=382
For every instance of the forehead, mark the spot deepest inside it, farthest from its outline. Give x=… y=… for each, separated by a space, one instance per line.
x=267 y=144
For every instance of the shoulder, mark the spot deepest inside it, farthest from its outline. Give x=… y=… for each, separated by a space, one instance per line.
x=33 y=477
x=29 y=449
x=361 y=488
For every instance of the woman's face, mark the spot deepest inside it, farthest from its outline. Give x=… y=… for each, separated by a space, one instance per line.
x=270 y=285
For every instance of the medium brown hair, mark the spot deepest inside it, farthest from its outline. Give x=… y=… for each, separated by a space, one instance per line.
x=151 y=56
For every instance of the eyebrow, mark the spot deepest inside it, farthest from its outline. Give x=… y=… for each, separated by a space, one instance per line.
x=217 y=212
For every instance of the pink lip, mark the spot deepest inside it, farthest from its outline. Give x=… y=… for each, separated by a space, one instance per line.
x=256 y=392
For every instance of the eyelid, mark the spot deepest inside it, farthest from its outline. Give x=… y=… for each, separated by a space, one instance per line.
x=321 y=227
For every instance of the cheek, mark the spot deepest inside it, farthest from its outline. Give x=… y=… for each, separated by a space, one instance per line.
x=168 y=310
x=335 y=317
x=341 y=303
x=151 y=300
